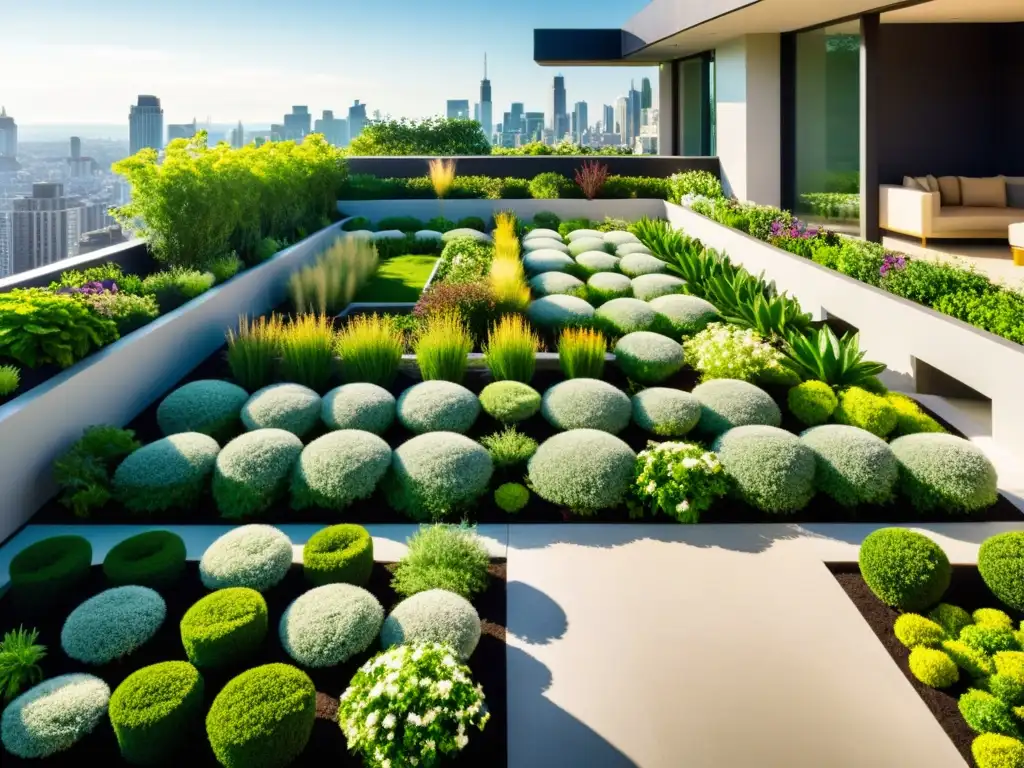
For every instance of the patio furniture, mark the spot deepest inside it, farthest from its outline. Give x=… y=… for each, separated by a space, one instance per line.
x=1017 y=243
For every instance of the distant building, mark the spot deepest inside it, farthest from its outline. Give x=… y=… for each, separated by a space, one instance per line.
x=621 y=112
x=76 y=148
x=101 y=238
x=608 y=119
x=646 y=94
x=8 y=135
x=633 y=99
x=46 y=227
x=6 y=242
x=146 y=125
x=559 y=119
x=579 y=120
x=181 y=131
x=515 y=119
x=297 y=124
x=486 y=116
x=276 y=132
x=238 y=136
x=335 y=130
x=458 y=108
x=534 y=122
x=356 y=120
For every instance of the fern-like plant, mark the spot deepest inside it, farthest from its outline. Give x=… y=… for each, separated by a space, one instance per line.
x=83 y=474
x=20 y=655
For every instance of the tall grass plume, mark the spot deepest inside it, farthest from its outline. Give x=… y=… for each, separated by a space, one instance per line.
x=307 y=351
x=442 y=347
x=581 y=353
x=370 y=348
x=511 y=349
x=253 y=350
x=328 y=285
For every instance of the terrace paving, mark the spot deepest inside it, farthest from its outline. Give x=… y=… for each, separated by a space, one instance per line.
x=667 y=645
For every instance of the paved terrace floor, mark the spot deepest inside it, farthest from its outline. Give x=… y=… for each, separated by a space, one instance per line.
x=662 y=646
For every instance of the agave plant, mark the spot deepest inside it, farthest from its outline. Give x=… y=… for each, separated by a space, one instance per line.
x=839 y=362
x=699 y=267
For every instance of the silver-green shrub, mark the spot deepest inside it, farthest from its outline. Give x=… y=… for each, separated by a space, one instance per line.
x=437 y=473
x=210 y=406
x=291 y=407
x=728 y=403
x=622 y=316
x=359 y=406
x=585 y=470
x=546 y=260
x=559 y=311
x=772 y=470
x=853 y=466
x=434 y=616
x=586 y=404
x=636 y=264
x=167 y=474
x=593 y=262
x=683 y=315
x=648 y=357
x=665 y=412
x=944 y=472
x=253 y=556
x=112 y=624
x=252 y=471
x=339 y=468
x=54 y=716
x=551 y=283
x=437 y=406
x=329 y=625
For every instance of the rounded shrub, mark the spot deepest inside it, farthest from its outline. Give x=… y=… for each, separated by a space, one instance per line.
x=988 y=639
x=586 y=404
x=605 y=286
x=933 y=667
x=665 y=412
x=510 y=401
x=593 y=262
x=952 y=618
x=860 y=408
x=54 y=716
x=586 y=470
x=512 y=497
x=171 y=473
x=154 y=708
x=583 y=232
x=211 y=406
x=544 y=244
x=772 y=470
x=151 y=559
x=338 y=468
x=450 y=557
x=904 y=569
x=1001 y=564
x=681 y=315
x=254 y=556
x=913 y=630
x=728 y=403
x=338 y=554
x=993 y=750
x=812 y=402
x=853 y=466
x=359 y=406
x=112 y=624
x=434 y=616
x=542 y=233
x=648 y=357
x=992 y=617
x=547 y=260
x=466 y=233
x=985 y=713
x=552 y=283
x=636 y=264
x=621 y=316
x=291 y=407
x=559 y=311
x=224 y=628
x=940 y=471
x=437 y=473
x=438 y=406
x=973 y=662
x=584 y=244
x=627 y=248
x=330 y=624
x=263 y=718
x=620 y=237
x=252 y=471
x=48 y=569
x=655 y=285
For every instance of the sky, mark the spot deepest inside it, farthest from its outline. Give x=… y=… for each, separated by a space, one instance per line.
x=69 y=62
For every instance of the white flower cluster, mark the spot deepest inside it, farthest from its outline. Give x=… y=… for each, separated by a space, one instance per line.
x=723 y=351
x=680 y=479
x=54 y=716
x=409 y=705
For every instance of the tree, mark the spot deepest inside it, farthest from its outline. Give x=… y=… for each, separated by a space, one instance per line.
x=433 y=136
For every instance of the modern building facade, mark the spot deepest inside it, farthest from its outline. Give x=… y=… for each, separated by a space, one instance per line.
x=608 y=119
x=182 y=131
x=238 y=136
x=559 y=117
x=146 y=125
x=45 y=227
x=579 y=121
x=458 y=109
x=6 y=239
x=534 y=126
x=515 y=123
x=356 y=120
x=646 y=93
x=8 y=135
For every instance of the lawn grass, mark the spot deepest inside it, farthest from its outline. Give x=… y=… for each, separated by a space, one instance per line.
x=398 y=279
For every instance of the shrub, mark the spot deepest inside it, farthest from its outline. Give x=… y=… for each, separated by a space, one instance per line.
x=772 y=470
x=176 y=286
x=653 y=286
x=440 y=224
x=154 y=708
x=910 y=419
x=253 y=556
x=546 y=220
x=54 y=716
x=291 y=407
x=665 y=412
x=112 y=624
x=472 y=222
x=472 y=303
x=127 y=312
x=997 y=310
x=44 y=571
x=933 y=667
x=648 y=357
x=992 y=617
x=423 y=678
x=860 y=408
x=510 y=401
x=330 y=624
x=253 y=351
x=209 y=406
x=20 y=655
x=593 y=262
x=328 y=285
x=904 y=569
x=926 y=281
x=83 y=472
x=952 y=618
x=681 y=315
x=581 y=245
x=39 y=328
x=551 y=283
x=339 y=554
x=985 y=713
x=438 y=406
x=622 y=316
x=339 y=468
x=551 y=185
x=269 y=247
x=606 y=286
x=586 y=470
x=508 y=285
x=581 y=353
x=913 y=630
x=627 y=248
x=728 y=403
x=989 y=639
x=442 y=348
x=620 y=237
x=509 y=448
x=547 y=260
x=944 y=472
x=637 y=264
x=586 y=404
x=171 y=473
x=463 y=259
x=993 y=750
x=433 y=616
x=559 y=311
x=362 y=406
x=682 y=480
x=574 y=229
x=512 y=497
x=1001 y=565
x=370 y=348
x=225 y=628
x=223 y=268
x=511 y=350
x=10 y=379
x=723 y=351
x=702 y=183
x=437 y=473
x=153 y=559
x=973 y=662
x=852 y=466
x=252 y=471
x=443 y=557
x=812 y=402
x=263 y=718
x=403 y=223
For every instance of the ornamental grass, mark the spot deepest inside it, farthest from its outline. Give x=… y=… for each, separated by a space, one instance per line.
x=328 y=285
x=511 y=349
x=370 y=348
x=581 y=353
x=254 y=349
x=307 y=351
x=442 y=348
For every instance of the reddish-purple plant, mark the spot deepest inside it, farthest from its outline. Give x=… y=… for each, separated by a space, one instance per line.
x=590 y=177
x=474 y=302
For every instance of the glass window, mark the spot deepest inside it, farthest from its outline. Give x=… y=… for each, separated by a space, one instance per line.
x=696 y=122
x=827 y=121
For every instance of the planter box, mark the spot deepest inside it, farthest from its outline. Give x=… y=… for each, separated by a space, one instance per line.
x=116 y=383
x=910 y=339
x=458 y=209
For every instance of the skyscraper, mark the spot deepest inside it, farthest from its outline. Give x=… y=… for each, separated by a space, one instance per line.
x=534 y=126
x=515 y=119
x=621 y=111
x=608 y=119
x=632 y=115
x=486 y=113
x=8 y=135
x=458 y=108
x=579 y=114
x=181 y=131
x=335 y=130
x=297 y=123
x=76 y=148
x=145 y=125
x=646 y=95
x=46 y=227
x=238 y=136
x=356 y=120
x=559 y=117
x=6 y=236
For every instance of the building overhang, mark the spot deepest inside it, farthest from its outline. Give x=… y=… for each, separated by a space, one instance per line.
x=582 y=47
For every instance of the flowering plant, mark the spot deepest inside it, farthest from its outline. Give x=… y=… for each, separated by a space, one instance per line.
x=891 y=261
x=795 y=229
x=680 y=479
x=410 y=705
x=723 y=351
x=93 y=288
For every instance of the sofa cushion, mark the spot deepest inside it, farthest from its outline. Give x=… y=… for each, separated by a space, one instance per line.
x=932 y=183
x=1015 y=193
x=983 y=193
x=919 y=184
x=977 y=219
x=949 y=190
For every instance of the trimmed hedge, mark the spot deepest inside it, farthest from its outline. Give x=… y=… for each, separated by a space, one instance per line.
x=636 y=264
x=728 y=403
x=512 y=497
x=586 y=470
x=224 y=628
x=338 y=469
x=171 y=473
x=985 y=713
x=933 y=667
x=606 y=286
x=438 y=406
x=771 y=469
x=853 y=466
x=210 y=406
x=559 y=311
x=913 y=630
x=252 y=472
x=510 y=401
x=557 y=283
x=812 y=402
x=437 y=473
x=531 y=244
x=547 y=260
x=648 y=358
x=291 y=407
x=254 y=556
x=43 y=572
x=433 y=616
x=627 y=248
x=586 y=404
x=625 y=315
x=338 y=554
x=359 y=406
x=940 y=471
x=153 y=559
x=656 y=285
x=1001 y=565
x=952 y=618
x=112 y=624
x=329 y=625
x=683 y=315
x=54 y=716
x=993 y=750
x=859 y=408
x=593 y=262
x=904 y=569
x=584 y=244
x=665 y=412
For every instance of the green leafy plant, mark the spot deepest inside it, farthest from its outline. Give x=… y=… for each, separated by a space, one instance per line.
x=370 y=348
x=433 y=136
x=904 y=569
x=681 y=480
x=338 y=554
x=551 y=185
x=129 y=312
x=839 y=362
x=464 y=260
x=748 y=301
x=443 y=557
x=37 y=328
x=812 y=402
x=442 y=348
x=173 y=287
x=307 y=351
x=253 y=350
x=10 y=379
x=702 y=183
x=511 y=349
x=20 y=654
x=724 y=351
x=581 y=353
x=509 y=448
x=84 y=473
x=328 y=285
x=225 y=267
x=512 y=497
x=403 y=223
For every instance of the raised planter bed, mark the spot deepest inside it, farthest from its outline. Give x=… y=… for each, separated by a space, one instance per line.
x=458 y=209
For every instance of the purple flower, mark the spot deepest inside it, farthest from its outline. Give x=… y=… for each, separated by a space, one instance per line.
x=891 y=261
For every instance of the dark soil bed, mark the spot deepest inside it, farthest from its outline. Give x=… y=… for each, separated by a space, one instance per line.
x=327 y=745
x=966 y=590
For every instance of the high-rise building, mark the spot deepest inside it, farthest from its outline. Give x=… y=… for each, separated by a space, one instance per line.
x=8 y=135
x=356 y=120
x=6 y=240
x=486 y=116
x=516 y=119
x=297 y=123
x=238 y=136
x=76 y=148
x=145 y=125
x=534 y=122
x=632 y=115
x=458 y=108
x=579 y=121
x=559 y=119
x=78 y=166
x=621 y=112
x=334 y=129
x=46 y=227
x=181 y=131
x=608 y=119
x=646 y=95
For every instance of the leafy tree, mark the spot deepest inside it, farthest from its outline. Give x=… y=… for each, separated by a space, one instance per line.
x=433 y=136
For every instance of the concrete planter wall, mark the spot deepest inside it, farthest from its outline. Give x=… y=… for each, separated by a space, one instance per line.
x=910 y=339
x=528 y=166
x=115 y=384
x=458 y=209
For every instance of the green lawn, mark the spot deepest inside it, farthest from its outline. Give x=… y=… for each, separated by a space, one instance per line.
x=398 y=279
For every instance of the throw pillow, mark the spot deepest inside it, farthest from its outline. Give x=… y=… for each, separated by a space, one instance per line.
x=949 y=190
x=1015 y=193
x=911 y=183
x=983 y=193
x=933 y=183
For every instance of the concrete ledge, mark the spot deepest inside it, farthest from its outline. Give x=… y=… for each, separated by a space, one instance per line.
x=133 y=257
x=528 y=166
x=458 y=209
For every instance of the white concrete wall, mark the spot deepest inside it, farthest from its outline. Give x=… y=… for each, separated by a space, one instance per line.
x=666 y=120
x=457 y=209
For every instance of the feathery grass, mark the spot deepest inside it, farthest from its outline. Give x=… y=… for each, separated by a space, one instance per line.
x=328 y=285
x=19 y=661
x=511 y=349
x=442 y=176
x=253 y=350
x=307 y=351
x=507 y=278
x=442 y=347
x=10 y=378
x=581 y=353
x=370 y=348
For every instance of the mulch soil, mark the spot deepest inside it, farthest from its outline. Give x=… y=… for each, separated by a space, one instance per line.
x=966 y=590
x=327 y=745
